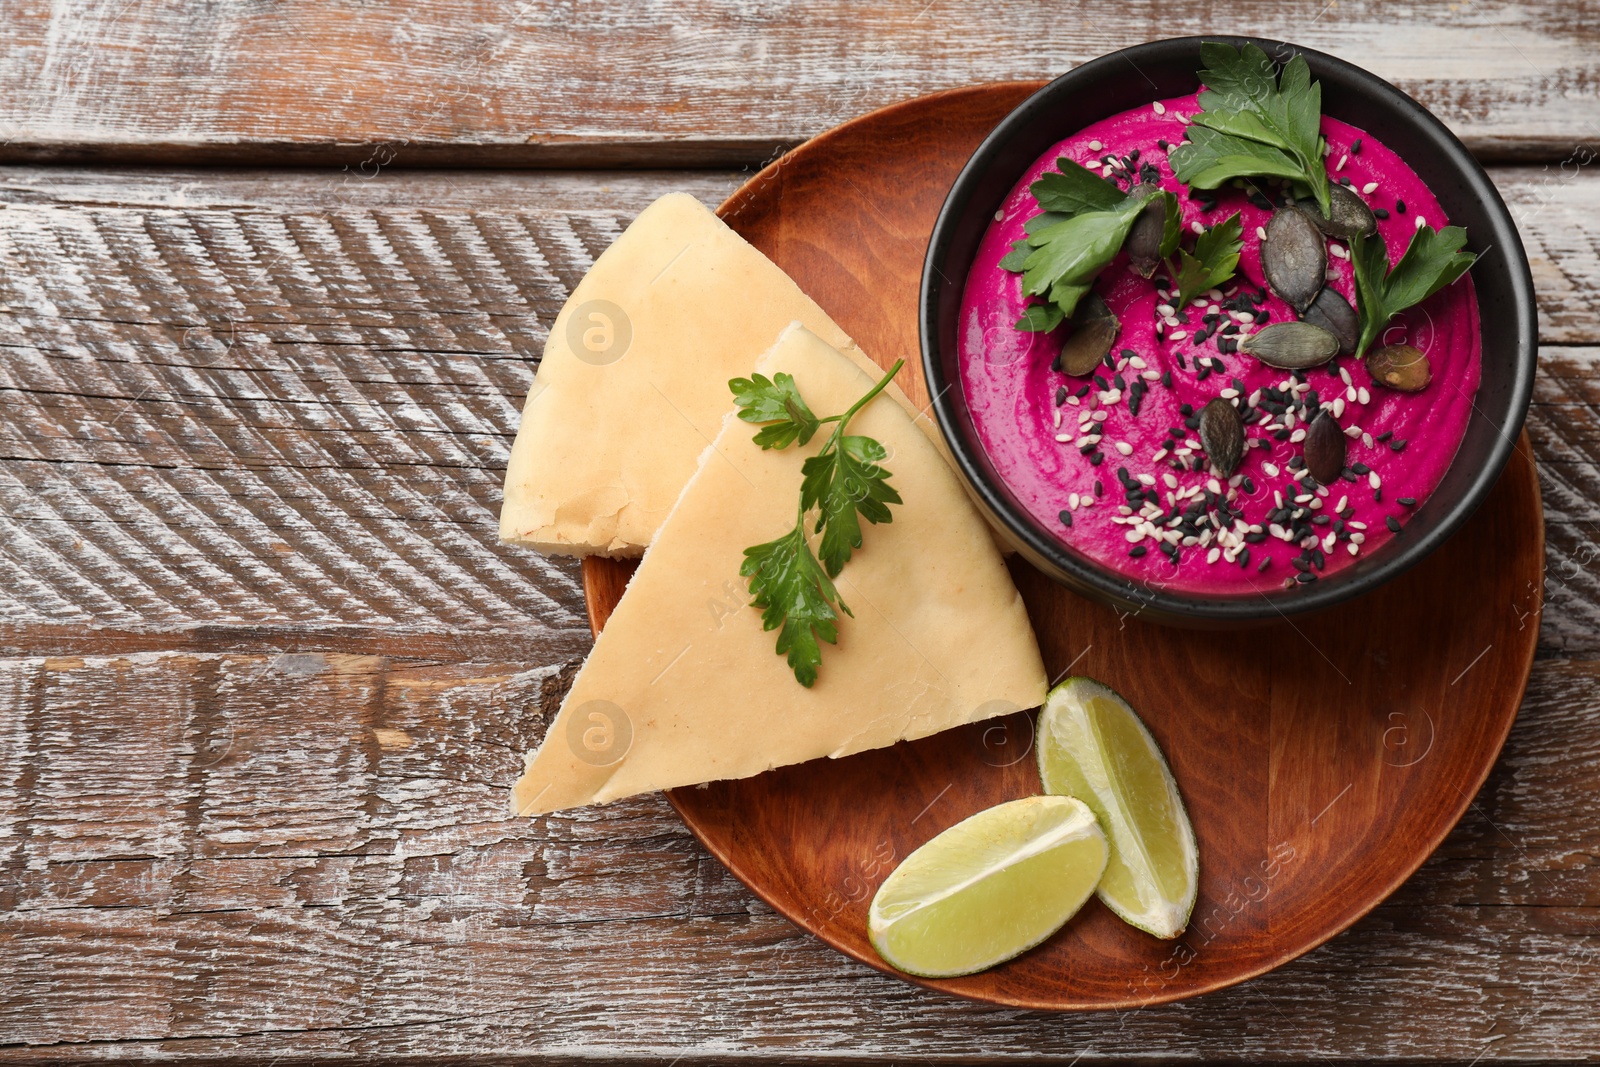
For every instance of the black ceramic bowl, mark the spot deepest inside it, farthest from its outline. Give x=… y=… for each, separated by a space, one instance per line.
x=1132 y=78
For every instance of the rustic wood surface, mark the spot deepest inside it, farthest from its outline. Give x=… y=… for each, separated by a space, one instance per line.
x=265 y=672
x=705 y=82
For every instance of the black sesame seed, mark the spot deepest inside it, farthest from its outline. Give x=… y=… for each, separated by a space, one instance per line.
x=1081 y=393
x=1061 y=395
x=1066 y=518
x=1161 y=143
x=1181 y=364
x=1393 y=524
x=1100 y=383
x=1360 y=468
x=1186 y=409
x=1128 y=353
x=1099 y=488
x=1118 y=381
x=1321 y=520
x=1355 y=147
x=1379 y=212
x=1265 y=563
x=1166 y=378
x=1305 y=579
x=1377 y=495
x=1400 y=206
x=1096 y=457
x=1244 y=557
x=1384 y=436
x=1408 y=501
x=1397 y=445
x=1249 y=484
x=1255 y=538
x=1300 y=564
x=1136 y=551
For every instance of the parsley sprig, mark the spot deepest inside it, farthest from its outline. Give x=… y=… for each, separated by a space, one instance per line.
x=1214 y=260
x=1086 y=219
x=1432 y=260
x=1253 y=125
x=843 y=483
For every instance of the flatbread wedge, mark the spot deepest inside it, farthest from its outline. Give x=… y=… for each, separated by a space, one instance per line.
x=684 y=686
x=633 y=383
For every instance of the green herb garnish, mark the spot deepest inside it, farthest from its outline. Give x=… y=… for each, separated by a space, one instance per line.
x=1215 y=258
x=1253 y=125
x=1431 y=261
x=1085 y=221
x=844 y=484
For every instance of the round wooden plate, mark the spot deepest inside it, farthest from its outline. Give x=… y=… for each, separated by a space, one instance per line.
x=1322 y=759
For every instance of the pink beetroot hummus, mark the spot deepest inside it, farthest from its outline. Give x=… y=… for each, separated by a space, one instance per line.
x=1031 y=419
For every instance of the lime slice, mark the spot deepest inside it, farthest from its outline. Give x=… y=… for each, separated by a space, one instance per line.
x=1092 y=746
x=989 y=888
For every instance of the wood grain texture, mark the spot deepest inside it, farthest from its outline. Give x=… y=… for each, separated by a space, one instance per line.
x=470 y=82
x=253 y=410
x=216 y=873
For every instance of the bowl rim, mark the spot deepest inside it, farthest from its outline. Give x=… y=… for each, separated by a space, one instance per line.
x=1078 y=570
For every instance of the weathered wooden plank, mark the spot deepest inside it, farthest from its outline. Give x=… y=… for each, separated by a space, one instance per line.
x=308 y=855
x=707 y=82
x=250 y=411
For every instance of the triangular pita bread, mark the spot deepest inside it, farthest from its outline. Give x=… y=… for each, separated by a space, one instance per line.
x=683 y=685
x=633 y=384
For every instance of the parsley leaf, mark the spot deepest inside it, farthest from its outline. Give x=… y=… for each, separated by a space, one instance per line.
x=1254 y=125
x=844 y=483
x=796 y=598
x=776 y=402
x=1432 y=260
x=1215 y=258
x=841 y=483
x=1085 y=221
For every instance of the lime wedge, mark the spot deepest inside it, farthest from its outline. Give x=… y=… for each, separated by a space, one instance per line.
x=1092 y=746
x=989 y=888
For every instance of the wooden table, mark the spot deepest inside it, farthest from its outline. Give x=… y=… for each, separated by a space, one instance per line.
x=267 y=675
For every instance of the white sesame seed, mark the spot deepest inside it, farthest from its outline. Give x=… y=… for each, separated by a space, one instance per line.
x=1147 y=479
x=1170 y=481
x=1098 y=416
x=1298 y=436
x=1358 y=539
x=1278 y=532
x=1136 y=362
x=1086 y=501
x=1197 y=227
x=1342 y=502
x=1370 y=188
x=1213 y=555
x=1289 y=420
x=1300 y=475
x=1366 y=439
x=1063 y=437
x=1150 y=376
x=1095 y=146
x=1134 y=536
x=1338 y=406
x=1228 y=394
x=1074 y=401
x=1088 y=439
x=1271 y=469
x=1354 y=525
x=1327 y=542
x=1178 y=335
x=1161 y=109
x=1421 y=222
x=1338 y=253
x=1261 y=233
x=1352 y=431
x=1353 y=547
x=1160 y=455
x=1072 y=502
x=1165 y=310
x=1057 y=414
x=1233 y=483
x=1182 y=117
x=1124 y=448
x=1000 y=216
x=1345 y=158
x=1373 y=480
x=1255 y=398
x=1244 y=317
x=1316 y=502
x=1277 y=495
x=1363 y=396
x=1193 y=445
x=1110 y=396
x=1123 y=509
x=1344 y=375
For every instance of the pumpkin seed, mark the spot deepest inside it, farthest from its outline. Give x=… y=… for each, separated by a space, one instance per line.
x=1222 y=435
x=1291 y=345
x=1294 y=257
x=1348 y=214
x=1333 y=313
x=1144 y=240
x=1325 y=449
x=1399 y=367
x=1094 y=328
